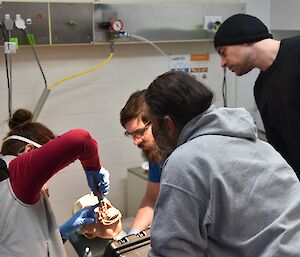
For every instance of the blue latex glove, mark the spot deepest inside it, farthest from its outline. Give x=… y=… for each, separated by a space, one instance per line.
x=98 y=181
x=82 y=217
x=133 y=232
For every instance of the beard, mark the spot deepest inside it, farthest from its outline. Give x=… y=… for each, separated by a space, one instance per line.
x=163 y=143
x=153 y=154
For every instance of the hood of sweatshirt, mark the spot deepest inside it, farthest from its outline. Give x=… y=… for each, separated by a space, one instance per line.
x=232 y=122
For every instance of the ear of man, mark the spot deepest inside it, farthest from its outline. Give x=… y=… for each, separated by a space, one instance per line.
x=169 y=125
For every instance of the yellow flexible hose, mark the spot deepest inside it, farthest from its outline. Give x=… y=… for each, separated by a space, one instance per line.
x=46 y=91
x=82 y=72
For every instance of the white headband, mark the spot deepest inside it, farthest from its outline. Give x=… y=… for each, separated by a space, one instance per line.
x=23 y=139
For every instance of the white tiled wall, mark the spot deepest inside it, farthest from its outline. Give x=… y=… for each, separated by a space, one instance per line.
x=93 y=102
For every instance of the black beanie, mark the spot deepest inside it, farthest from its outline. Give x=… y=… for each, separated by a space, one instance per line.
x=239 y=29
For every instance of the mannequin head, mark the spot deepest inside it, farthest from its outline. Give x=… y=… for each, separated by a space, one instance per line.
x=109 y=218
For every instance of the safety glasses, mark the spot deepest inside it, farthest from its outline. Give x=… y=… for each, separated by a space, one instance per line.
x=139 y=133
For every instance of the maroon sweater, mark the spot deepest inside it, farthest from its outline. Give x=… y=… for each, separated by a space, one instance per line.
x=30 y=171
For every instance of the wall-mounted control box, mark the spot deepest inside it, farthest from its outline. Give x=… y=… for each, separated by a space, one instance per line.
x=37 y=15
x=84 y=23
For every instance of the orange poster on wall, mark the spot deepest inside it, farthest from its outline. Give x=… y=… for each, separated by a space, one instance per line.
x=194 y=64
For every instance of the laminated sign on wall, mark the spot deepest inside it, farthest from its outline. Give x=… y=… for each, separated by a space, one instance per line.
x=194 y=64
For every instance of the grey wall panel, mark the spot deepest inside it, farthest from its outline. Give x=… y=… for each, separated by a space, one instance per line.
x=285 y=15
x=71 y=23
x=78 y=23
x=37 y=12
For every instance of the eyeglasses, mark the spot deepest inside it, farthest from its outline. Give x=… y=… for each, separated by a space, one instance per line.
x=139 y=133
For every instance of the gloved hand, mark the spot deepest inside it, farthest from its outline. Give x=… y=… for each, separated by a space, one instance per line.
x=82 y=217
x=98 y=181
x=133 y=232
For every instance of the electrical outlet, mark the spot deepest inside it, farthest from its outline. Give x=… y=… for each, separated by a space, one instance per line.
x=10 y=47
x=211 y=23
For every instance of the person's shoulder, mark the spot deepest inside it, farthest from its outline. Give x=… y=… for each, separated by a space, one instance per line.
x=154 y=172
x=78 y=133
x=154 y=166
x=181 y=155
x=291 y=40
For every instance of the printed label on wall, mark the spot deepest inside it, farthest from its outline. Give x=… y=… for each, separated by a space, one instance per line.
x=194 y=64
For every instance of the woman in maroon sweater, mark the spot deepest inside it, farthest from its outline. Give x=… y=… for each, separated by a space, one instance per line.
x=33 y=155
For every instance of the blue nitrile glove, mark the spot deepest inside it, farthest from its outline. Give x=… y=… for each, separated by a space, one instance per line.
x=102 y=181
x=133 y=232
x=82 y=217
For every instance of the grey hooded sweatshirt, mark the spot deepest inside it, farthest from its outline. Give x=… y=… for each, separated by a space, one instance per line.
x=225 y=193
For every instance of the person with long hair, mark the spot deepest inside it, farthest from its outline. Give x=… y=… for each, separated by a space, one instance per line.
x=223 y=191
x=30 y=155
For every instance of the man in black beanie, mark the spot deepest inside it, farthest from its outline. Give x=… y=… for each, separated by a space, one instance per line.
x=244 y=43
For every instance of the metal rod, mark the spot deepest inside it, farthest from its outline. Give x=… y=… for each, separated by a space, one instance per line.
x=40 y=103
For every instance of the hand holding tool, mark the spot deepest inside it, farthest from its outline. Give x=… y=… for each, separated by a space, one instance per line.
x=98 y=181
